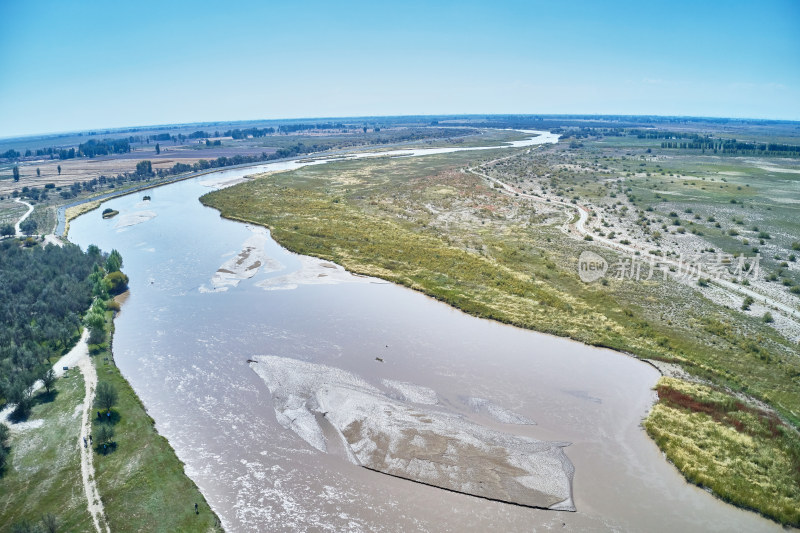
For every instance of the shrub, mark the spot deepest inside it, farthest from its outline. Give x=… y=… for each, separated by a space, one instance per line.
x=106 y=395
x=116 y=283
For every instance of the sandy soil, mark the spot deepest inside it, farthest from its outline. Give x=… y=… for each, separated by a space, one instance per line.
x=251 y=259
x=94 y=503
x=313 y=271
x=137 y=217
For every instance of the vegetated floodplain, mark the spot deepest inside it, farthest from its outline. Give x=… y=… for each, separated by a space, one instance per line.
x=43 y=473
x=745 y=455
x=429 y=224
x=142 y=482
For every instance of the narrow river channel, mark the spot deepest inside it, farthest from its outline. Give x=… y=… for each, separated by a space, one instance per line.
x=194 y=318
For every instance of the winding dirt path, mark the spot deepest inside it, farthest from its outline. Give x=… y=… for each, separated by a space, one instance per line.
x=79 y=356
x=21 y=220
x=95 y=504
x=581 y=229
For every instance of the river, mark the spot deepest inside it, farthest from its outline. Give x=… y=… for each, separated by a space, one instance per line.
x=195 y=316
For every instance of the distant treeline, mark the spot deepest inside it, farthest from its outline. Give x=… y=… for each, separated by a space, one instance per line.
x=585 y=132
x=238 y=159
x=44 y=292
x=686 y=141
x=732 y=146
x=144 y=169
x=90 y=148
x=94 y=147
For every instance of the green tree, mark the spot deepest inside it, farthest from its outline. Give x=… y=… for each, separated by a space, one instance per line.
x=16 y=173
x=6 y=230
x=93 y=251
x=3 y=451
x=96 y=322
x=28 y=226
x=49 y=380
x=104 y=435
x=144 y=168
x=24 y=527
x=115 y=283
x=38 y=172
x=23 y=398
x=59 y=170
x=50 y=523
x=114 y=262
x=105 y=395
x=158 y=149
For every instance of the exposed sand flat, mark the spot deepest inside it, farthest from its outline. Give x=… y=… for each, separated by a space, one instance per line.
x=217 y=182
x=412 y=393
x=780 y=170
x=337 y=411
x=312 y=271
x=501 y=414
x=132 y=219
x=785 y=200
x=247 y=263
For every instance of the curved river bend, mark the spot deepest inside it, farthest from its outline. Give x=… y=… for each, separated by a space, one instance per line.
x=195 y=315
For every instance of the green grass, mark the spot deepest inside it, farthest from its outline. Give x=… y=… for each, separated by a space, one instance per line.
x=43 y=474
x=142 y=482
x=745 y=456
x=424 y=224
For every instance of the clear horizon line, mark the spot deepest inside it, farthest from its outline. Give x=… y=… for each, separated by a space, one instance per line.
x=330 y=117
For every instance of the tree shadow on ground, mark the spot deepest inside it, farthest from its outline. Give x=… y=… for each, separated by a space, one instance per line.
x=20 y=413
x=106 y=448
x=105 y=419
x=45 y=397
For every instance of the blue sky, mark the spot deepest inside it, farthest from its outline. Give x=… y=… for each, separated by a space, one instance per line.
x=81 y=65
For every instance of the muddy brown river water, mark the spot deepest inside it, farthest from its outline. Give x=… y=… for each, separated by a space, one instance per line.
x=196 y=314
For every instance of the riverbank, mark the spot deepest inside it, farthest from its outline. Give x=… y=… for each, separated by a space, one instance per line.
x=430 y=227
x=745 y=455
x=142 y=482
x=142 y=485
